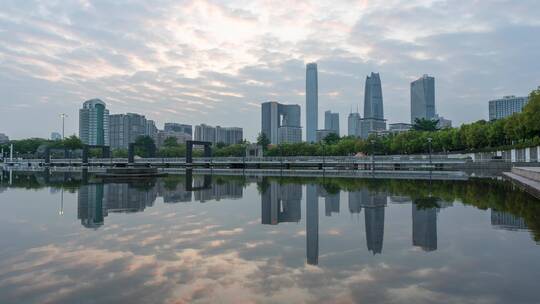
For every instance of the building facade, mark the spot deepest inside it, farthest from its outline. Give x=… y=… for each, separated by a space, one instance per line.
x=373 y=106
x=94 y=123
x=281 y=123
x=312 y=102
x=56 y=136
x=506 y=106
x=423 y=98
x=321 y=134
x=177 y=127
x=331 y=122
x=399 y=127
x=218 y=134
x=354 y=125
x=124 y=129
x=162 y=135
x=4 y=139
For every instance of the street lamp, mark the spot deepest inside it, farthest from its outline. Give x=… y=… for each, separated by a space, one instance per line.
x=429 y=139
x=63 y=115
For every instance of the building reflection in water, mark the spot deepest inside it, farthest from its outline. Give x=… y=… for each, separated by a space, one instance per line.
x=331 y=200
x=96 y=201
x=281 y=203
x=424 y=227
x=90 y=205
x=374 y=204
x=312 y=224
x=507 y=221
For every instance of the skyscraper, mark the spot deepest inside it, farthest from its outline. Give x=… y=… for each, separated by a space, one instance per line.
x=312 y=102
x=373 y=106
x=354 y=125
x=373 y=99
x=423 y=98
x=331 y=122
x=94 y=123
x=281 y=123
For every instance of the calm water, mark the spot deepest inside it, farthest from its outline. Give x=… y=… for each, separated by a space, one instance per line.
x=273 y=240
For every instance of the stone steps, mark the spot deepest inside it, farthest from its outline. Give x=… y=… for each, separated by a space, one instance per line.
x=527 y=178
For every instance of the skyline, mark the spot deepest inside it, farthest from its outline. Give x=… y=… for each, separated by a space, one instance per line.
x=212 y=63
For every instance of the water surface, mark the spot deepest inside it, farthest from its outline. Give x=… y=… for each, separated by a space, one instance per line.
x=68 y=238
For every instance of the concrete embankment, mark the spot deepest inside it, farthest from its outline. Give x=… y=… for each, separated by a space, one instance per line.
x=527 y=178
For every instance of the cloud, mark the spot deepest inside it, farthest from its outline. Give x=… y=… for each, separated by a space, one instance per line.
x=204 y=61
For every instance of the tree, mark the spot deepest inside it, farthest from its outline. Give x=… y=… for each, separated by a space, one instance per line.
x=263 y=141
x=331 y=139
x=170 y=142
x=145 y=146
x=423 y=124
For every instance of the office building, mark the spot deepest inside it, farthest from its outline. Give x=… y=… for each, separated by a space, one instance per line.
x=506 y=106
x=90 y=205
x=322 y=134
x=4 y=139
x=162 y=135
x=177 y=127
x=443 y=122
x=331 y=122
x=399 y=127
x=229 y=136
x=373 y=106
x=56 y=136
x=205 y=132
x=424 y=228
x=354 y=125
x=151 y=129
x=312 y=102
x=124 y=129
x=423 y=98
x=94 y=123
x=281 y=123
x=218 y=134
x=371 y=126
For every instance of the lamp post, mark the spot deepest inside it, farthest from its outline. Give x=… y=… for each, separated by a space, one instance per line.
x=63 y=115
x=429 y=139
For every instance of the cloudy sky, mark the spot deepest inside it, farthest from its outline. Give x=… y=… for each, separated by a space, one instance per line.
x=215 y=62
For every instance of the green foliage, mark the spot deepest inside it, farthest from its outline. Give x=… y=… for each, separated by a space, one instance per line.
x=423 y=124
x=263 y=140
x=331 y=139
x=145 y=146
x=170 y=142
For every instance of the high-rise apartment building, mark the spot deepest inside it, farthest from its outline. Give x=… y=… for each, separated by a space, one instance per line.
x=506 y=106
x=94 y=123
x=373 y=106
x=423 y=98
x=331 y=122
x=218 y=134
x=281 y=123
x=124 y=129
x=312 y=102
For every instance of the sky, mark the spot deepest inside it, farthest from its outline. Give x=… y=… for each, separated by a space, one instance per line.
x=215 y=62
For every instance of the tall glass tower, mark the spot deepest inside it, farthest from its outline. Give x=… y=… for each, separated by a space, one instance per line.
x=373 y=100
x=94 y=123
x=312 y=102
x=423 y=98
